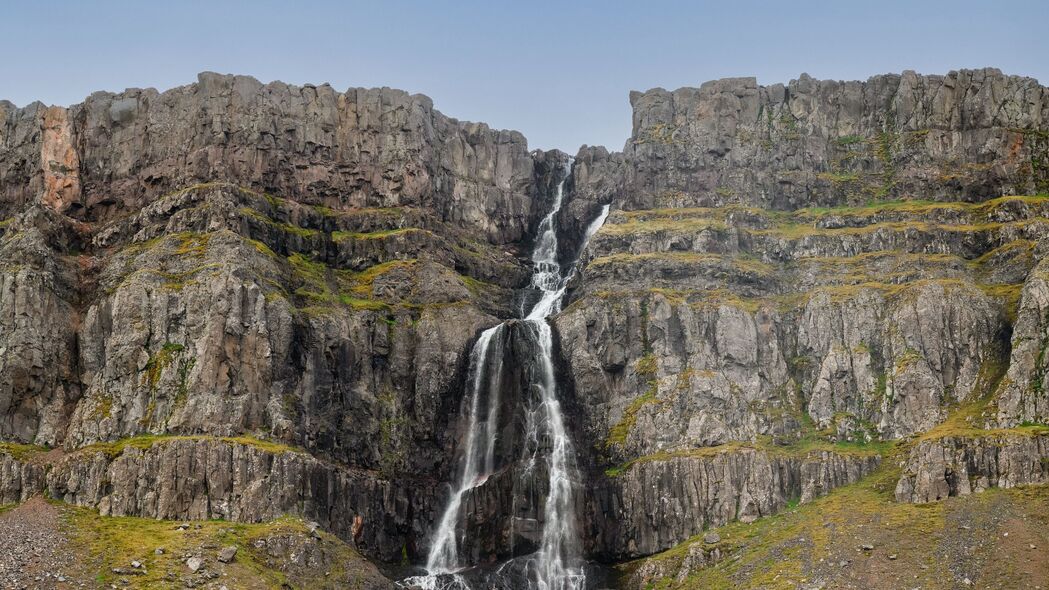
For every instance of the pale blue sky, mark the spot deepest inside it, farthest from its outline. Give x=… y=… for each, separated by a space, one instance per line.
x=559 y=72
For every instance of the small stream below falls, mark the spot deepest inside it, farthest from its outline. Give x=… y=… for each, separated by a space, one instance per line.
x=546 y=455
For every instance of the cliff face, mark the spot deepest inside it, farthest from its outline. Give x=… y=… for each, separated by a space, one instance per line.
x=794 y=281
x=229 y=258
x=115 y=153
x=961 y=137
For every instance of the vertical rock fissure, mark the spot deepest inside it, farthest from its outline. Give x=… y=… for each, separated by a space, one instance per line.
x=557 y=563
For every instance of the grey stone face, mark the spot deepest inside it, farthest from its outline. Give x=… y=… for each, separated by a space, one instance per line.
x=283 y=284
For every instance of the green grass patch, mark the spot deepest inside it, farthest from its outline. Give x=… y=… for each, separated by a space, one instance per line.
x=839 y=177
x=341 y=236
x=105 y=543
x=147 y=441
x=287 y=228
x=617 y=435
x=159 y=361
x=20 y=451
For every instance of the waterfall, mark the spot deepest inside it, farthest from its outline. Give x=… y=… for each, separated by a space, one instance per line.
x=476 y=466
x=558 y=563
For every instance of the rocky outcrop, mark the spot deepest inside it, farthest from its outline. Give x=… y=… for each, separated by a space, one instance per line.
x=20 y=478
x=1024 y=397
x=964 y=136
x=657 y=503
x=21 y=166
x=38 y=348
x=203 y=478
x=312 y=558
x=697 y=557
x=360 y=148
x=960 y=465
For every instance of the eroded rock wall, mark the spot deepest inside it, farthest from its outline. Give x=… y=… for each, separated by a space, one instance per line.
x=960 y=465
x=654 y=505
x=230 y=258
x=967 y=135
x=790 y=274
x=204 y=478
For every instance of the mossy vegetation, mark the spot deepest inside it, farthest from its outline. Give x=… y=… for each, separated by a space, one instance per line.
x=341 y=236
x=176 y=244
x=287 y=228
x=319 y=289
x=839 y=177
x=176 y=259
x=848 y=140
x=903 y=214
x=972 y=416
x=1036 y=170
x=160 y=361
x=262 y=248
x=21 y=451
x=104 y=543
x=102 y=408
x=907 y=545
x=617 y=435
x=192 y=244
x=147 y=441
x=662 y=133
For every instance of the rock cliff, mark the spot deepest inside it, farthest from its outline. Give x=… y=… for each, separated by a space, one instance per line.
x=240 y=300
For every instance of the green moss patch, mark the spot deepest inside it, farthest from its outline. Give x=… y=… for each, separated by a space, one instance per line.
x=20 y=451
x=105 y=543
x=147 y=441
x=341 y=236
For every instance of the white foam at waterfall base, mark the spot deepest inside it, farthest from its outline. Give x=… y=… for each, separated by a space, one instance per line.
x=558 y=563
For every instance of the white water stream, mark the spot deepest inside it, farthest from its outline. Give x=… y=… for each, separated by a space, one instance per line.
x=558 y=563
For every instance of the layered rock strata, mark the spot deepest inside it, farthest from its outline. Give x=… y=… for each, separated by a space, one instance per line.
x=792 y=277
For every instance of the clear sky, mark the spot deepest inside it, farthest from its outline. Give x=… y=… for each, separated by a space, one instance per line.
x=560 y=72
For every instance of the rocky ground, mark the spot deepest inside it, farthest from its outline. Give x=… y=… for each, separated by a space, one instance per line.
x=857 y=537
x=48 y=545
x=37 y=550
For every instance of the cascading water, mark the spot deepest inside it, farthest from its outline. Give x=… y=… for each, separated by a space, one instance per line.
x=480 y=435
x=557 y=564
